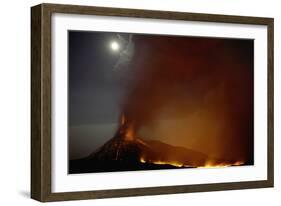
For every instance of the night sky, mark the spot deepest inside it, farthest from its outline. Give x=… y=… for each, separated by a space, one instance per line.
x=184 y=91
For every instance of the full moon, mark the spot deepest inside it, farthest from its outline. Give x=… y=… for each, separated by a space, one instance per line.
x=114 y=46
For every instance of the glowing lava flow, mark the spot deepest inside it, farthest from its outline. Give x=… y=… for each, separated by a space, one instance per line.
x=176 y=164
x=207 y=165
x=219 y=165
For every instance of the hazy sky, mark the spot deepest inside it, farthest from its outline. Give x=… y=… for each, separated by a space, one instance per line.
x=96 y=74
x=186 y=91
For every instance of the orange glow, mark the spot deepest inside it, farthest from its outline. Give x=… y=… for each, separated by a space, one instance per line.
x=238 y=163
x=207 y=165
x=127 y=128
x=168 y=163
x=219 y=165
x=142 y=160
x=176 y=164
x=122 y=119
x=130 y=133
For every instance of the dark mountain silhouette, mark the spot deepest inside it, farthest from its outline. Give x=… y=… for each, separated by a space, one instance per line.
x=127 y=152
x=120 y=154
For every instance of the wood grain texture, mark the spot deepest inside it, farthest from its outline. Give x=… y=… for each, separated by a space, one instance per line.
x=41 y=101
x=36 y=58
x=270 y=102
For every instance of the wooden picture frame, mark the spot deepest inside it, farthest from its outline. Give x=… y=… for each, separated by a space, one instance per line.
x=41 y=116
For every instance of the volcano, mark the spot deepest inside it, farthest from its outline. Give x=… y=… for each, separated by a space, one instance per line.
x=127 y=152
x=119 y=154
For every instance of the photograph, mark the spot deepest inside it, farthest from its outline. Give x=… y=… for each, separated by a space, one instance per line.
x=140 y=101
x=132 y=102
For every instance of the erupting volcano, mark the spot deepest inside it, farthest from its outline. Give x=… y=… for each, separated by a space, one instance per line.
x=127 y=152
x=149 y=101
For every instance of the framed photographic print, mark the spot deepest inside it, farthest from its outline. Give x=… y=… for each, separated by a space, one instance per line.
x=132 y=102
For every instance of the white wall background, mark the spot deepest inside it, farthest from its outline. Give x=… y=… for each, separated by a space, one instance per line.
x=15 y=102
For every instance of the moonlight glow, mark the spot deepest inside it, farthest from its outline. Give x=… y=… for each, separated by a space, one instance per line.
x=114 y=46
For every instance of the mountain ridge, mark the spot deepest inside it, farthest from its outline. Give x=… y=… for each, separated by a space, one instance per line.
x=120 y=154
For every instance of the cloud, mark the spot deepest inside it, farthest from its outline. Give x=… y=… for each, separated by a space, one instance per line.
x=126 y=53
